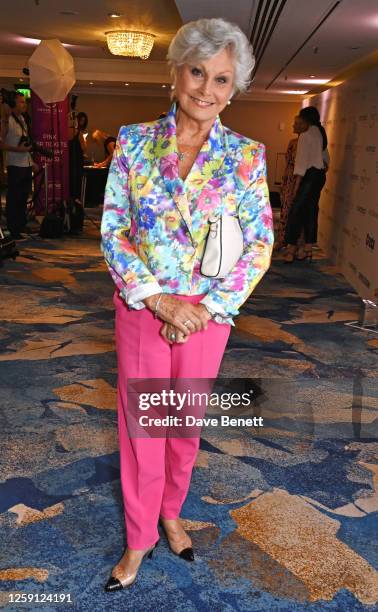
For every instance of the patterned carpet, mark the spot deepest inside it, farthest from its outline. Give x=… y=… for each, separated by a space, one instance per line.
x=281 y=519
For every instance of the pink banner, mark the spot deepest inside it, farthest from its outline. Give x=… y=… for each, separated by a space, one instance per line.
x=50 y=131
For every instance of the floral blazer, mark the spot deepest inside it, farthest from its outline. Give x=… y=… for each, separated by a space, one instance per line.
x=154 y=224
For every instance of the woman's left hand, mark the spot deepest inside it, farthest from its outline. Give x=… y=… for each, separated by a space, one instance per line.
x=168 y=330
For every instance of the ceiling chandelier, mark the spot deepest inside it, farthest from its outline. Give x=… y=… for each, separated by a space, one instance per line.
x=130 y=43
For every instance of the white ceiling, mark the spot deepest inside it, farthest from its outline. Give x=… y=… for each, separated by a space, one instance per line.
x=86 y=28
x=291 y=49
x=352 y=23
x=237 y=11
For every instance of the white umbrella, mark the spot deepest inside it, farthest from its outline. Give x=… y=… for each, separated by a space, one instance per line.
x=52 y=73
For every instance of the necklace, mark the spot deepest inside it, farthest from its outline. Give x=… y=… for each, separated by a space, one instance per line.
x=182 y=155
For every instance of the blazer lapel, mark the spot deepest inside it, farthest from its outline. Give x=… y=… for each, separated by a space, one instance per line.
x=166 y=155
x=204 y=172
x=182 y=204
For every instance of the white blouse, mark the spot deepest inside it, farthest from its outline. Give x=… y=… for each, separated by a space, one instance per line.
x=309 y=151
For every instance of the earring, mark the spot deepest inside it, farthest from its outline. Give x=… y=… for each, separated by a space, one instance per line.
x=229 y=102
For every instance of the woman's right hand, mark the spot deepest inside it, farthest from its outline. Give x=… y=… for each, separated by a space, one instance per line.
x=167 y=330
x=177 y=312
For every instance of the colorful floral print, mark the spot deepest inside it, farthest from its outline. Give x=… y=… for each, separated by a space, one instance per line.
x=154 y=224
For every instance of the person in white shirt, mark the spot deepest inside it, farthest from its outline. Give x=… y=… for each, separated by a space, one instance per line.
x=288 y=183
x=311 y=163
x=20 y=164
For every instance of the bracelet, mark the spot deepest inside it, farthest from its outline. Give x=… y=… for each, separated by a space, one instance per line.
x=157 y=305
x=211 y=312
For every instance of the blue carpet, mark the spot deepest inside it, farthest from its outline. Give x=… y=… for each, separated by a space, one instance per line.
x=282 y=518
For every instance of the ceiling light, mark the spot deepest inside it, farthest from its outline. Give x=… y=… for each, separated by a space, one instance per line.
x=312 y=81
x=130 y=43
x=90 y=82
x=29 y=41
x=164 y=86
x=36 y=41
x=114 y=15
x=127 y=84
x=294 y=91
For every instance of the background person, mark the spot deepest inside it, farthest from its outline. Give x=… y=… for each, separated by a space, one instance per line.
x=288 y=182
x=77 y=147
x=166 y=178
x=19 y=163
x=310 y=177
x=109 y=143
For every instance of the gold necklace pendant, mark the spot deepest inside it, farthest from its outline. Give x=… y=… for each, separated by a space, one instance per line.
x=181 y=156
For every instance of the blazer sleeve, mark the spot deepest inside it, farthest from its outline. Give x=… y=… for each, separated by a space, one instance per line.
x=255 y=218
x=129 y=272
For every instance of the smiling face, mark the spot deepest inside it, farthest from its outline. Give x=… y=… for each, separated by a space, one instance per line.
x=203 y=88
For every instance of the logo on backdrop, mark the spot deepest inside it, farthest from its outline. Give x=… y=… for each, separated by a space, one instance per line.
x=355 y=153
x=370 y=242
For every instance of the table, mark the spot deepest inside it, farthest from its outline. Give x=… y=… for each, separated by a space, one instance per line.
x=93 y=185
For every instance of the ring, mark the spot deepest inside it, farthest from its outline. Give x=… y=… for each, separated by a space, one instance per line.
x=172 y=337
x=186 y=322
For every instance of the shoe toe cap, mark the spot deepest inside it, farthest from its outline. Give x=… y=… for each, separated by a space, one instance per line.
x=187 y=554
x=113 y=584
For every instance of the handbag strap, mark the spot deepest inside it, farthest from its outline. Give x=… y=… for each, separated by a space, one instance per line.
x=22 y=125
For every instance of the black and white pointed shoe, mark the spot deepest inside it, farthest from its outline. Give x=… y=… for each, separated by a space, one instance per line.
x=116 y=584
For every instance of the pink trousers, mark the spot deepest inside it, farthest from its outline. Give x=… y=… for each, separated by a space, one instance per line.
x=156 y=472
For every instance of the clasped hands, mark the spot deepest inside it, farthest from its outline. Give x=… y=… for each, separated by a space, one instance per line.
x=180 y=318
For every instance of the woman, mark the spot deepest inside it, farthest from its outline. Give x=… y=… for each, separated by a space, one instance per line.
x=288 y=182
x=77 y=152
x=166 y=178
x=109 y=143
x=310 y=175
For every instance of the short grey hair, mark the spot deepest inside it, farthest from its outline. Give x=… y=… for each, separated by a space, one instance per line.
x=201 y=39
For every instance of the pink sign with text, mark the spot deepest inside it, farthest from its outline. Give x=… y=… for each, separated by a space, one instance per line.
x=50 y=131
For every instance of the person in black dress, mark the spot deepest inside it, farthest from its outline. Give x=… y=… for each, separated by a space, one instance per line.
x=77 y=151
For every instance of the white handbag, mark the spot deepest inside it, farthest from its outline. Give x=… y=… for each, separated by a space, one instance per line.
x=224 y=246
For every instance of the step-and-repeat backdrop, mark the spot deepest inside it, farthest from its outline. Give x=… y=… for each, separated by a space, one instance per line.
x=348 y=216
